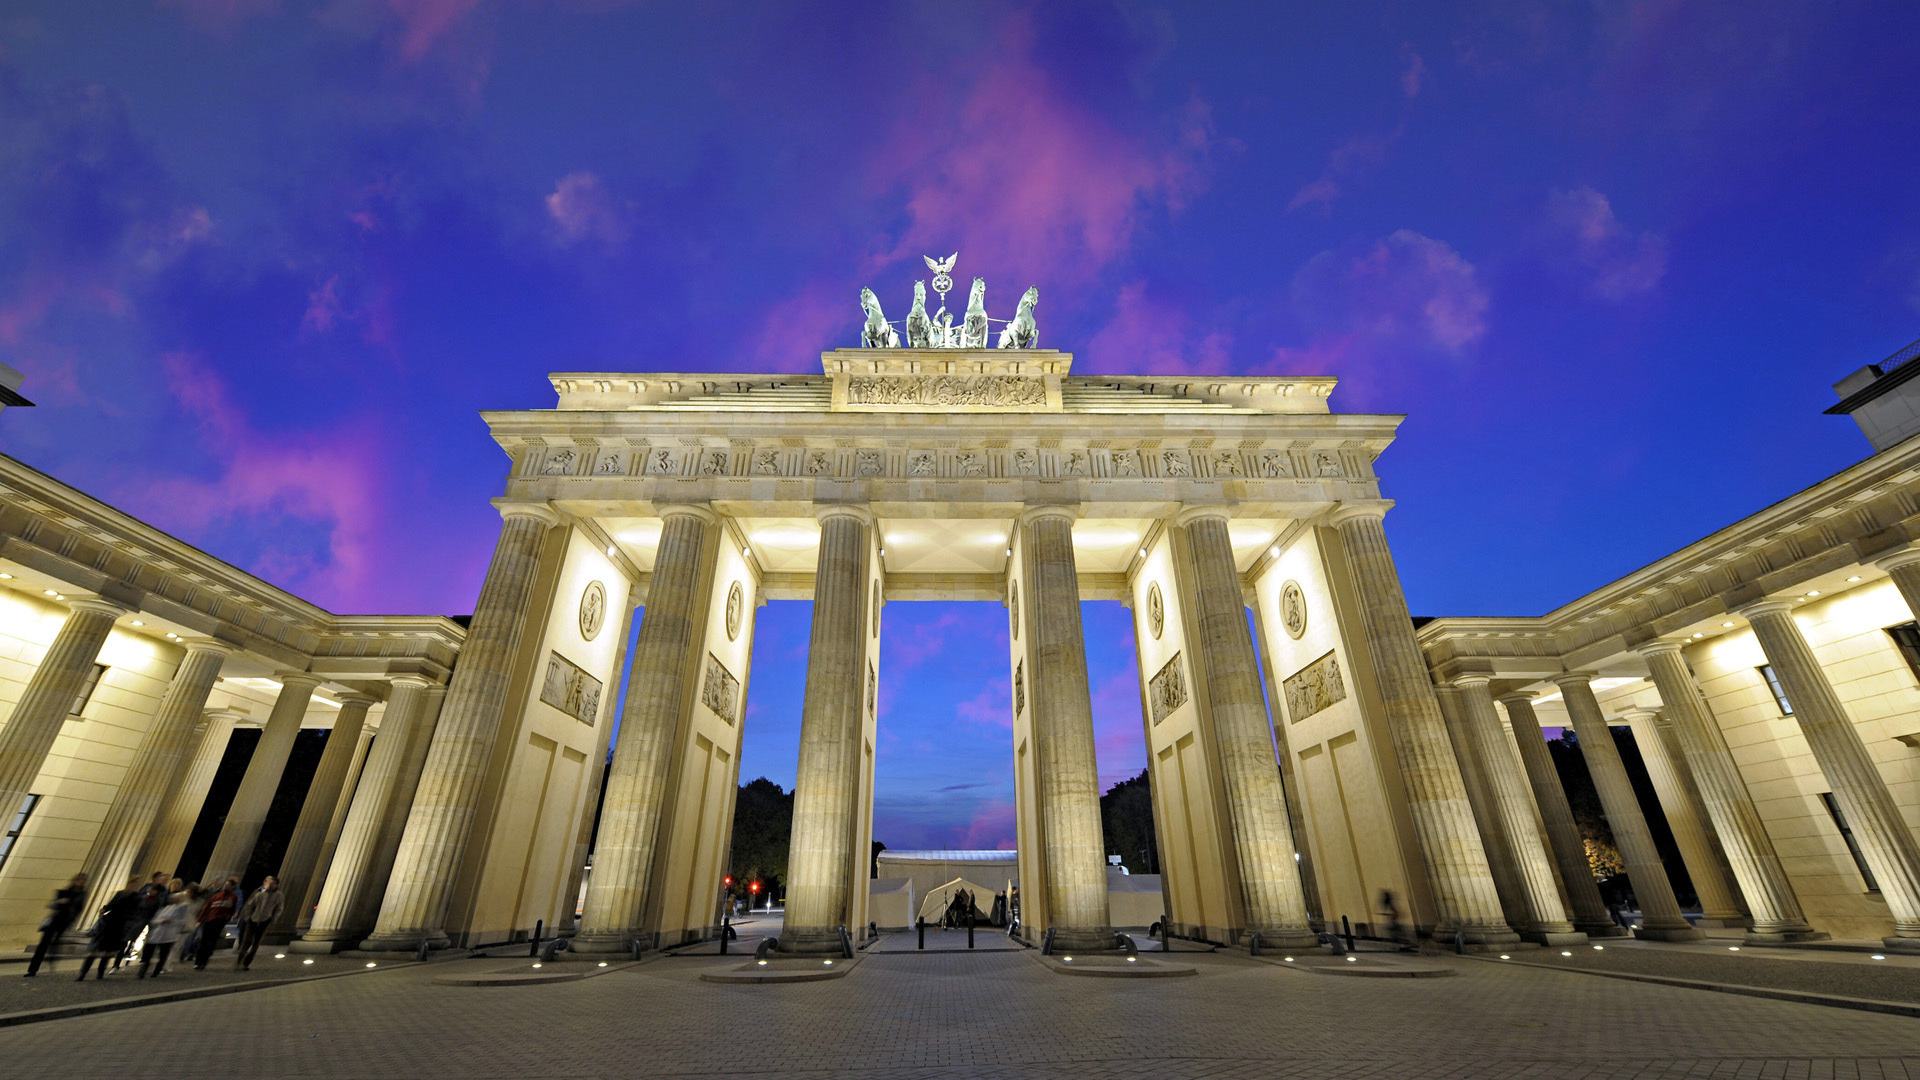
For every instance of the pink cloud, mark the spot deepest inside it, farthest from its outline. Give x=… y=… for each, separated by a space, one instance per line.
x=1406 y=288
x=1119 y=740
x=277 y=489
x=584 y=210
x=1621 y=264
x=922 y=641
x=323 y=306
x=1414 y=74
x=1152 y=335
x=424 y=22
x=1352 y=160
x=992 y=829
x=991 y=707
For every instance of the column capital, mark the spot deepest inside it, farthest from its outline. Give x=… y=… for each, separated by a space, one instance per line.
x=1465 y=682
x=1573 y=678
x=822 y=512
x=95 y=606
x=1351 y=510
x=1190 y=514
x=1906 y=556
x=217 y=648
x=418 y=682
x=1633 y=713
x=1516 y=697
x=1763 y=607
x=1659 y=648
x=290 y=679
x=539 y=511
x=695 y=510
x=1051 y=510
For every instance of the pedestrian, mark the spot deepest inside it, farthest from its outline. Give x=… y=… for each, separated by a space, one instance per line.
x=110 y=929
x=61 y=914
x=261 y=909
x=214 y=915
x=166 y=928
x=153 y=897
x=1396 y=930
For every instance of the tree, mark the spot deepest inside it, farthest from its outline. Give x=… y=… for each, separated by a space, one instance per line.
x=762 y=831
x=1126 y=822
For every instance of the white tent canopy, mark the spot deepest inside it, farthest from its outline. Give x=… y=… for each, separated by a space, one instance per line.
x=935 y=905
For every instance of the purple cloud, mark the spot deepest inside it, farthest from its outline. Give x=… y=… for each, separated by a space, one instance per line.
x=1620 y=263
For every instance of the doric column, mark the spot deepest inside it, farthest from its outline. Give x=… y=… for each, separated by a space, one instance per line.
x=1256 y=804
x=234 y=850
x=1660 y=918
x=1903 y=567
x=1493 y=837
x=441 y=820
x=167 y=841
x=1512 y=803
x=156 y=770
x=333 y=918
x=393 y=826
x=1563 y=836
x=1456 y=861
x=826 y=783
x=316 y=813
x=1068 y=782
x=1289 y=785
x=1689 y=832
x=303 y=913
x=658 y=691
x=1886 y=840
x=36 y=719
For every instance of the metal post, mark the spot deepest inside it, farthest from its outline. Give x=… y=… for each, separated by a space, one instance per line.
x=920 y=924
x=969 y=927
x=1346 y=931
x=726 y=930
x=538 y=926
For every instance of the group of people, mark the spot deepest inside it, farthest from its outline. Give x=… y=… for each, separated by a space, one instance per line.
x=156 y=914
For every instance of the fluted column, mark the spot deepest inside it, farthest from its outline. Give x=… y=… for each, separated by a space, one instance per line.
x=43 y=707
x=1256 y=804
x=1493 y=837
x=1068 y=779
x=1689 y=832
x=1513 y=803
x=1660 y=918
x=1569 y=851
x=155 y=772
x=1886 y=840
x=316 y=813
x=393 y=825
x=441 y=819
x=1456 y=861
x=333 y=919
x=826 y=782
x=303 y=913
x=658 y=690
x=167 y=841
x=1903 y=567
x=234 y=850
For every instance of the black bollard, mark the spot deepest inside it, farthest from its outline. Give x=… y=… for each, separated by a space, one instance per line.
x=920 y=924
x=726 y=931
x=1166 y=931
x=1346 y=931
x=969 y=929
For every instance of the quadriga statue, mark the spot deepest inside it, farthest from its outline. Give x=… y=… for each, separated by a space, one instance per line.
x=973 y=332
x=920 y=327
x=1022 y=332
x=876 y=334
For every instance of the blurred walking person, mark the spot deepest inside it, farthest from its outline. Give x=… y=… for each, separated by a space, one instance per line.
x=169 y=925
x=261 y=909
x=219 y=909
x=61 y=914
x=110 y=929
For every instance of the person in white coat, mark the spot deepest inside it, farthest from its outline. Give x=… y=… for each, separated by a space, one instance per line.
x=169 y=925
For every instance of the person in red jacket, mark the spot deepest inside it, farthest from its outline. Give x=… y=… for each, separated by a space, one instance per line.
x=214 y=916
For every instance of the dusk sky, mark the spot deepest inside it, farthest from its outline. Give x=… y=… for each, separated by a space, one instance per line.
x=262 y=262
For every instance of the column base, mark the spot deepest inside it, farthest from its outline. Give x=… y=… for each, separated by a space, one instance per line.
x=1909 y=945
x=392 y=943
x=322 y=947
x=1290 y=938
x=1723 y=922
x=810 y=941
x=1556 y=937
x=1085 y=939
x=609 y=943
x=1683 y=932
x=1605 y=929
x=1495 y=936
x=1787 y=934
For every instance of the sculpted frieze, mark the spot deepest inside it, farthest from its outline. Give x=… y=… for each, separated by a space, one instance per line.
x=979 y=391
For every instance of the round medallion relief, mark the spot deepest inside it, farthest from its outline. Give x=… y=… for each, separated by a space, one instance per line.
x=1293 y=609
x=734 y=602
x=593 y=610
x=1156 y=610
x=1013 y=605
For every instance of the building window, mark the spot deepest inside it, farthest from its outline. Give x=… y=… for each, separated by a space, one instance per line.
x=1906 y=638
x=87 y=688
x=1779 y=693
x=1853 y=848
x=18 y=823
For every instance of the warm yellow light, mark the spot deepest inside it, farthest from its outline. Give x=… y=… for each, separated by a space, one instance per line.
x=308 y=960
x=279 y=956
x=1598 y=948
x=1698 y=636
x=1855 y=577
x=790 y=536
x=372 y=964
x=6 y=577
x=609 y=551
x=1504 y=956
x=1877 y=956
x=1563 y=952
x=51 y=592
x=1104 y=538
x=1726 y=626
x=828 y=963
x=1353 y=959
x=1812 y=593
x=137 y=622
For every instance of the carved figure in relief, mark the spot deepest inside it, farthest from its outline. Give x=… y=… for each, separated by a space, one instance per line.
x=920 y=326
x=660 y=462
x=990 y=391
x=973 y=331
x=1176 y=463
x=1272 y=464
x=972 y=463
x=870 y=463
x=767 y=462
x=1022 y=332
x=609 y=465
x=1126 y=463
x=818 y=464
x=713 y=463
x=1076 y=463
x=876 y=333
x=1326 y=464
x=921 y=465
x=558 y=464
x=1226 y=465
x=1025 y=462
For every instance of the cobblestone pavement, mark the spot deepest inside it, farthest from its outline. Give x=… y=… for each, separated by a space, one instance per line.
x=980 y=1017
x=54 y=988
x=1849 y=974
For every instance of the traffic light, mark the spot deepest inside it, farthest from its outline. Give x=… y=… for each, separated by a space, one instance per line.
x=728 y=881
x=755 y=887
